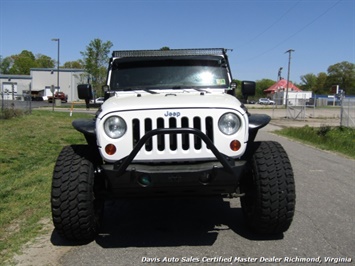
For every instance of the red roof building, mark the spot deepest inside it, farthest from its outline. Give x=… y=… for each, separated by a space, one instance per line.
x=280 y=86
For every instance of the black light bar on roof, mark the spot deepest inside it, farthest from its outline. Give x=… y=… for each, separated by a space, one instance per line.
x=171 y=52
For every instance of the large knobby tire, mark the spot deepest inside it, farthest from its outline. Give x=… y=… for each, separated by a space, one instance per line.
x=76 y=213
x=269 y=201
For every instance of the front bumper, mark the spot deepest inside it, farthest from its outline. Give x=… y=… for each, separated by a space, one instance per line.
x=127 y=179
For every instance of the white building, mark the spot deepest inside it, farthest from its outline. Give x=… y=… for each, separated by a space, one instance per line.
x=39 y=83
x=12 y=86
x=295 y=98
x=44 y=78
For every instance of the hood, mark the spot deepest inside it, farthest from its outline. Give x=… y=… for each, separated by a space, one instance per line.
x=171 y=99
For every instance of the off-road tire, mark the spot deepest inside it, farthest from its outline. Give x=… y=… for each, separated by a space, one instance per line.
x=269 y=201
x=76 y=213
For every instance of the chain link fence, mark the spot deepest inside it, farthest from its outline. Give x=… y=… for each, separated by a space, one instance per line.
x=13 y=105
x=347 y=112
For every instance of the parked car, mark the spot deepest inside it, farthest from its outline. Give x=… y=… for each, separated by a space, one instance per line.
x=265 y=101
x=58 y=95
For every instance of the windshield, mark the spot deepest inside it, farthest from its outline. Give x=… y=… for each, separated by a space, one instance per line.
x=169 y=73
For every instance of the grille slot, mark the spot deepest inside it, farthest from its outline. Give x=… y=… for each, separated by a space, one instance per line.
x=172 y=142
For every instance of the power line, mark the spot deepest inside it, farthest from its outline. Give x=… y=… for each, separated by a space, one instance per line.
x=273 y=24
x=297 y=32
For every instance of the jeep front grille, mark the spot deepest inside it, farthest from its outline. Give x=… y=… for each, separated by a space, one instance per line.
x=172 y=142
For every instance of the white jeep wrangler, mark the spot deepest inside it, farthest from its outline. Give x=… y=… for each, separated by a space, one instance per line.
x=171 y=127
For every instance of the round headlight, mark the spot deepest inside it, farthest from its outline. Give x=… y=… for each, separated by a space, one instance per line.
x=229 y=123
x=115 y=127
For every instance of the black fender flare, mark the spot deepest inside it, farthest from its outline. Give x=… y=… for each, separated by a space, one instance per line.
x=256 y=122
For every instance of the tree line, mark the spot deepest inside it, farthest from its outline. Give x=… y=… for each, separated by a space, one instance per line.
x=96 y=54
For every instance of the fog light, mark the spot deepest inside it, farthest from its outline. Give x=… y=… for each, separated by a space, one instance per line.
x=145 y=180
x=235 y=145
x=110 y=149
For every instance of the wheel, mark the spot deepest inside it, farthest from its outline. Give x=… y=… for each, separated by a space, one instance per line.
x=269 y=201
x=76 y=212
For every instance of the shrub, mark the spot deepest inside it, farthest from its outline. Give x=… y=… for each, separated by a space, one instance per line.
x=323 y=130
x=9 y=113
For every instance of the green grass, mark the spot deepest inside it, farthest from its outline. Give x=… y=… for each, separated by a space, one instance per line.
x=29 y=146
x=337 y=139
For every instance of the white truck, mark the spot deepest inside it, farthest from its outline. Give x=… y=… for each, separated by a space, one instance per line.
x=171 y=127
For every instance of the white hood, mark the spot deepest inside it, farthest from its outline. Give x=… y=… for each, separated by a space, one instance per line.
x=169 y=100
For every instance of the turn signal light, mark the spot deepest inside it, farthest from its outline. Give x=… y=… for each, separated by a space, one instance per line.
x=110 y=149
x=235 y=145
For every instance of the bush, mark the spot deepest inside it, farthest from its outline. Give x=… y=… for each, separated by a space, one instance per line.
x=9 y=113
x=323 y=130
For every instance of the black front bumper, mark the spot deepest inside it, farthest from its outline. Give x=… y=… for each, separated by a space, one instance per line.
x=218 y=177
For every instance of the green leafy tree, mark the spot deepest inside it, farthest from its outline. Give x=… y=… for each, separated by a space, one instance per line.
x=309 y=82
x=5 y=65
x=22 y=63
x=44 y=61
x=74 y=64
x=342 y=74
x=165 y=48
x=95 y=60
x=262 y=85
x=320 y=87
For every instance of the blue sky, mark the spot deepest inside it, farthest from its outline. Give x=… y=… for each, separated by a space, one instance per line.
x=322 y=32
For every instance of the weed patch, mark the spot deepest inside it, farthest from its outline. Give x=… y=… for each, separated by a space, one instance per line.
x=338 y=139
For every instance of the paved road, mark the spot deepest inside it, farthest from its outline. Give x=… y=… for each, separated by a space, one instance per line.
x=211 y=229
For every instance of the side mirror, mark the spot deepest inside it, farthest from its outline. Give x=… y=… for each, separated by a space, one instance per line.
x=248 y=89
x=85 y=92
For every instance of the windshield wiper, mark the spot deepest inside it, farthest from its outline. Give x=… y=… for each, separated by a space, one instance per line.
x=143 y=89
x=190 y=87
x=151 y=92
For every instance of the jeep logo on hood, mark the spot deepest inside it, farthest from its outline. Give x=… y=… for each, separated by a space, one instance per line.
x=172 y=114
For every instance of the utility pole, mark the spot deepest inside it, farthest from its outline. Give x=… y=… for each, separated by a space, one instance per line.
x=288 y=74
x=57 y=40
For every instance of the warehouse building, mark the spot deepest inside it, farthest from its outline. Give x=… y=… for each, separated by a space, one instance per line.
x=39 y=83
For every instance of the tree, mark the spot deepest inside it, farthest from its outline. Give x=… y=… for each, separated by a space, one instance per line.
x=44 y=61
x=165 y=48
x=342 y=74
x=262 y=85
x=22 y=63
x=321 y=83
x=5 y=65
x=309 y=82
x=95 y=59
x=74 y=64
